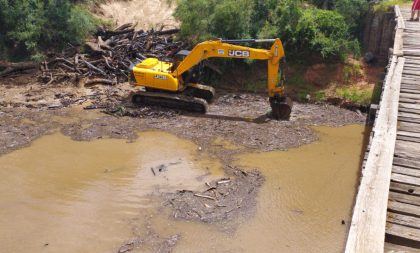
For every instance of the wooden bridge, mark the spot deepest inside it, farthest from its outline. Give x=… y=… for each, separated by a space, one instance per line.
x=386 y=215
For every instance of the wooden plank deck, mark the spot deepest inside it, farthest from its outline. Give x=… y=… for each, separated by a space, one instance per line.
x=386 y=216
x=403 y=213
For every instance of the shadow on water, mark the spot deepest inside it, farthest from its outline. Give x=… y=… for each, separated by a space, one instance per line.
x=367 y=133
x=259 y=120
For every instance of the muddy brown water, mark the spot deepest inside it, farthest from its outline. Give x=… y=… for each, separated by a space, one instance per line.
x=59 y=195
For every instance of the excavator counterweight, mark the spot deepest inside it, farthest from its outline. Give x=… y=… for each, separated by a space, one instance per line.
x=174 y=84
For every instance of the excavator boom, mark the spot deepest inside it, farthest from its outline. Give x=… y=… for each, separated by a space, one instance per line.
x=227 y=49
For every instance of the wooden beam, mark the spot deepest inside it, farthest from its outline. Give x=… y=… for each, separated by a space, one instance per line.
x=400 y=18
x=404 y=220
x=394 y=248
x=403 y=231
x=404 y=188
x=405 y=208
x=367 y=230
x=398 y=41
x=405 y=179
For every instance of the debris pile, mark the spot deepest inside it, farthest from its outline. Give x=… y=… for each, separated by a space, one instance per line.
x=160 y=245
x=222 y=200
x=122 y=109
x=105 y=59
x=108 y=57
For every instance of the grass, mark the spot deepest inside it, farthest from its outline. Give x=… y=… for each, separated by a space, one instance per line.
x=352 y=71
x=299 y=89
x=320 y=96
x=357 y=96
x=302 y=89
x=376 y=94
x=385 y=6
x=255 y=86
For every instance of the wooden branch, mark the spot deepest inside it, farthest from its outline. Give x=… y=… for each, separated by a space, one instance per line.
x=10 y=67
x=124 y=26
x=93 y=67
x=99 y=81
x=167 y=32
x=102 y=44
x=60 y=60
x=94 y=47
x=113 y=33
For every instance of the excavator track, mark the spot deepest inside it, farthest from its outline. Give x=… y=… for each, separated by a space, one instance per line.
x=200 y=91
x=175 y=101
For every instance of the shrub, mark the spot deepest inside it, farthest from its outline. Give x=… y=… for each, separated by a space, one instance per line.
x=352 y=71
x=283 y=21
x=81 y=23
x=325 y=32
x=310 y=30
x=21 y=23
x=29 y=27
x=352 y=10
x=230 y=19
x=354 y=95
x=305 y=29
x=209 y=19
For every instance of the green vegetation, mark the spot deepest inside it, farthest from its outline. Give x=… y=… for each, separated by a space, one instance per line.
x=387 y=5
x=354 y=95
x=376 y=93
x=328 y=29
x=312 y=31
x=255 y=86
x=29 y=28
x=320 y=96
x=352 y=71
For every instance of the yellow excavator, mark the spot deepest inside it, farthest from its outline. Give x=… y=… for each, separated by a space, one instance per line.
x=175 y=84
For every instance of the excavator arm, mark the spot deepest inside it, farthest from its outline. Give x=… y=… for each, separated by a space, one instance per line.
x=228 y=49
x=281 y=105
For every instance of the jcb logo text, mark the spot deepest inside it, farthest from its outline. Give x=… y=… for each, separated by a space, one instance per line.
x=160 y=77
x=238 y=53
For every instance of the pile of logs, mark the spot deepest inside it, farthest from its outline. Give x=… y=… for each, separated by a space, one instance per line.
x=107 y=58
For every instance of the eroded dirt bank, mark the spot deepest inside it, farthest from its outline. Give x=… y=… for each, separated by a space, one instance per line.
x=147 y=13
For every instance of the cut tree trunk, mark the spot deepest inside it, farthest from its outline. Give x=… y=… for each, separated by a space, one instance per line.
x=10 y=67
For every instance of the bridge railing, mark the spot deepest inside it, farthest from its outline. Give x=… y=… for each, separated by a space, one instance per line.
x=367 y=229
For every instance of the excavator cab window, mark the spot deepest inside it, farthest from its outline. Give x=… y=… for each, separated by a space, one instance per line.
x=192 y=75
x=179 y=57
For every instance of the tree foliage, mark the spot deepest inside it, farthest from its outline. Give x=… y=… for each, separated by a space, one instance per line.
x=204 y=19
x=328 y=28
x=29 y=27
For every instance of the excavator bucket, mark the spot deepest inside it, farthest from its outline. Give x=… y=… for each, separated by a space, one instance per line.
x=281 y=107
